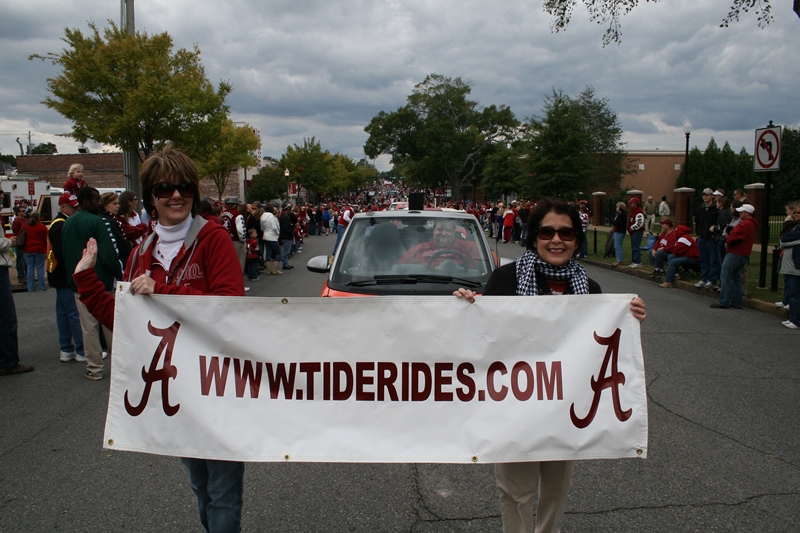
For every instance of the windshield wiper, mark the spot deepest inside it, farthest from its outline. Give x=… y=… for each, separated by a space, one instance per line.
x=412 y=279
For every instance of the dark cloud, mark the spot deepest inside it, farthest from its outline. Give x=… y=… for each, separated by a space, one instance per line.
x=324 y=69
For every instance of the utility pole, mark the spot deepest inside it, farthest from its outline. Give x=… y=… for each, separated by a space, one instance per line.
x=130 y=160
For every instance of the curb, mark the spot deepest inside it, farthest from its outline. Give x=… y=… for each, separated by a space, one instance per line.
x=750 y=303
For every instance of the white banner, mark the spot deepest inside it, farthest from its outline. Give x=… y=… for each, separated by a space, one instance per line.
x=389 y=379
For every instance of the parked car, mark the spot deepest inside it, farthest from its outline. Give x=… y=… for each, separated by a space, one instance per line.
x=408 y=253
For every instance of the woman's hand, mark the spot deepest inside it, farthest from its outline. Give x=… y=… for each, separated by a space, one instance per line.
x=89 y=257
x=466 y=294
x=143 y=284
x=638 y=310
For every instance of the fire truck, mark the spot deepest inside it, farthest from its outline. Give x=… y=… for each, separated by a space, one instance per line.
x=36 y=193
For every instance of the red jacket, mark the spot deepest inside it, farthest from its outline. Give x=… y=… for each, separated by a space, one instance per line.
x=685 y=245
x=207 y=264
x=35 y=238
x=741 y=238
x=73 y=186
x=666 y=242
x=635 y=225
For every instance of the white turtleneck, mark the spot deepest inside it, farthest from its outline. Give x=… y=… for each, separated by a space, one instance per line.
x=170 y=240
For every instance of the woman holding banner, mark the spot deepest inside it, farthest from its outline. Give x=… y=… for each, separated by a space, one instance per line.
x=182 y=243
x=548 y=267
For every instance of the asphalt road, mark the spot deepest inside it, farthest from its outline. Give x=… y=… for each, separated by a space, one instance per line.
x=723 y=457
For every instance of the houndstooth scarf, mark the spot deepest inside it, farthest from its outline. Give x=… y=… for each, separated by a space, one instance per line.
x=530 y=263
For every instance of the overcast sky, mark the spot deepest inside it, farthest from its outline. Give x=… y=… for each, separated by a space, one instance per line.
x=324 y=69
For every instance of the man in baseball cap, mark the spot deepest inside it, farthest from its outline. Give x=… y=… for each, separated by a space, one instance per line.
x=68 y=199
x=70 y=334
x=738 y=245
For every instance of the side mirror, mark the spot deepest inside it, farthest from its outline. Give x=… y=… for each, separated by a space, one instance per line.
x=319 y=264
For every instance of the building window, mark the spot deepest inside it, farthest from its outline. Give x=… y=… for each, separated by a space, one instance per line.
x=641 y=166
x=678 y=166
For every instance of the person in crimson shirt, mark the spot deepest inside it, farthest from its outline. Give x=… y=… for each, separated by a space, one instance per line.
x=75 y=181
x=684 y=253
x=184 y=256
x=17 y=224
x=35 y=249
x=345 y=217
x=444 y=246
x=739 y=245
x=659 y=254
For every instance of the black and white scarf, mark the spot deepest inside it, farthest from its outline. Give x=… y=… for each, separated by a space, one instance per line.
x=530 y=263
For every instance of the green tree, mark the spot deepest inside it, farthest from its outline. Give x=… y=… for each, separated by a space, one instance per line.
x=610 y=11
x=501 y=172
x=576 y=146
x=712 y=159
x=696 y=177
x=133 y=91
x=10 y=159
x=44 y=149
x=786 y=181
x=439 y=136
x=269 y=183
x=307 y=164
x=230 y=149
x=728 y=170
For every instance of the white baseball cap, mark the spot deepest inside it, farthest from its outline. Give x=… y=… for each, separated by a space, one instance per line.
x=747 y=208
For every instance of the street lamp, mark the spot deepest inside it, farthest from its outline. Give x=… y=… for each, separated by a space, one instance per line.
x=687 y=129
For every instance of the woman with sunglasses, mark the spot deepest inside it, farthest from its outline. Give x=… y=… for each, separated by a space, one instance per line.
x=548 y=267
x=185 y=255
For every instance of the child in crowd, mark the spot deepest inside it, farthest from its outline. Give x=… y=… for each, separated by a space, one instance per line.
x=251 y=260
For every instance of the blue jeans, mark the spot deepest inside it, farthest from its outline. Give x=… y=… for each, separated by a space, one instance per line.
x=676 y=262
x=636 y=246
x=731 y=292
x=618 y=238
x=792 y=285
x=339 y=232
x=35 y=261
x=585 y=247
x=9 y=349
x=21 y=266
x=659 y=259
x=218 y=486
x=69 y=322
x=709 y=259
x=272 y=250
x=287 y=251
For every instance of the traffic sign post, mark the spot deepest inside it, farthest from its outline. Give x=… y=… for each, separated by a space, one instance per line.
x=768 y=149
x=767 y=159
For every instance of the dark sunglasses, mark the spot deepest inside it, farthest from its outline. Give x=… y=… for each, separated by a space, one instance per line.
x=548 y=232
x=166 y=190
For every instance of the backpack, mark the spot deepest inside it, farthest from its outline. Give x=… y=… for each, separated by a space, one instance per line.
x=50 y=261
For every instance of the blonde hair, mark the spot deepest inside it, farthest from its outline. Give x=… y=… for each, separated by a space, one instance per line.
x=73 y=168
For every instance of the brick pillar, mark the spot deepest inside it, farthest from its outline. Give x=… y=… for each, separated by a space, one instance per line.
x=597 y=207
x=684 y=200
x=755 y=194
x=635 y=193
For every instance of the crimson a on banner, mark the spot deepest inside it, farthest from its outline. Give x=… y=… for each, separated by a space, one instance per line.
x=390 y=379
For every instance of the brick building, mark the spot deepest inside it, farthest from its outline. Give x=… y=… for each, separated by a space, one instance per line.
x=100 y=170
x=658 y=172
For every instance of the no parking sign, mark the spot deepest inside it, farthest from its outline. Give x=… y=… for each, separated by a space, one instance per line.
x=768 y=149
